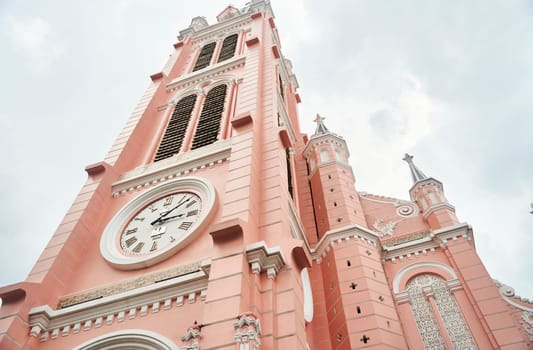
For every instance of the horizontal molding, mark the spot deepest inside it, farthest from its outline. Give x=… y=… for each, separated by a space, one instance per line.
x=206 y=73
x=177 y=165
x=47 y=323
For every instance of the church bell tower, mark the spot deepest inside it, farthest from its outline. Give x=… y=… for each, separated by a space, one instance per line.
x=214 y=223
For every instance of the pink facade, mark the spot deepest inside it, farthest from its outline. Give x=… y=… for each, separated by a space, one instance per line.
x=214 y=223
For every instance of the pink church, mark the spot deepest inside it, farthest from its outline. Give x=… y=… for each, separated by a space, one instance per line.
x=213 y=222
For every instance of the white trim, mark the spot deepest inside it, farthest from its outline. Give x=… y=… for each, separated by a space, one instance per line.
x=308 y=295
x=131 y=339
x=201 y=75
x=398 y=278
x=507 y=292
x=262 y=258
x=177 y=165
x=46 y=322
x=108 y=242
x=344 y=234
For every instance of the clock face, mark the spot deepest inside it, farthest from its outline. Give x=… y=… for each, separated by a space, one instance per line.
x=158 y=223
x=161 y=223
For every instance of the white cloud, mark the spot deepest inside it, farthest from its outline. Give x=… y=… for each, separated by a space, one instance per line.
x=33 y=37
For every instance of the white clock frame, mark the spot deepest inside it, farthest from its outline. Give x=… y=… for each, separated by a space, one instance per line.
x=111 y=251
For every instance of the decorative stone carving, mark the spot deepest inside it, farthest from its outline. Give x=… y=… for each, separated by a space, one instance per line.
x=427 y=286
x=228 y=13
x=527 y=317
x=198 y=23
x=248 y=332
x=262 y=258
x=384 y=229
x=192 y=338
x=406 y=209
x=122 y=287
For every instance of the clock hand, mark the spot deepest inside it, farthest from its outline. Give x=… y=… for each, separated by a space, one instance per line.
x=163 y=215
x=163 y=220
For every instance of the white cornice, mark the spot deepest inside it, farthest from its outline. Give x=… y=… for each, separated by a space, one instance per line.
x=209 y=72
x=316 y=140
x=215 y=29
x=508 y=294
x=177 y=165
x=346 y=233
x=48 y=323
x=262 y=258
x=428 y=243
x=434 y=207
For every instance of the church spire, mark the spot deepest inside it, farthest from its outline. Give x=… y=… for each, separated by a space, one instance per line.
x=320 y=127
x=416 y=173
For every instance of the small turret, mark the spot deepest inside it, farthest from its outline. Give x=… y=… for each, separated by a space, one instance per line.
x=428 y=193
x=336 y=202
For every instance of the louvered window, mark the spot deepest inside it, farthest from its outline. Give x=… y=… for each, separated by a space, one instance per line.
x=173 y=137
x=289 y=172
x=228 y=48
x=281 y=86
x=204 y=58
x=209 y=123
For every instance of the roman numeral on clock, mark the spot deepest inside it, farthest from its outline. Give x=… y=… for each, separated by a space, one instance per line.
x=130 y=241
x=190 y=203
x=130 y=231
x=168 y=201
x=154 y=246
x=185 y=225
x=192 y=212
x=138 y=247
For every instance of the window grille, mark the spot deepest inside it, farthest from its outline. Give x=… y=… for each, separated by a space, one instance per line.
x=204 y=58
x=209 y=122
x=228 y=48
x=173 y=137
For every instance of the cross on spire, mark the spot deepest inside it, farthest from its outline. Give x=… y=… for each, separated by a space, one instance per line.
x=320 y=127
x=416 y=173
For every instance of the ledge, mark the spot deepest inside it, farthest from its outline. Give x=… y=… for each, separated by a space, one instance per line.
x=202 y=74
x=48 y=323
x=227 y=230
x=284 y=137
x=252 y=41
x=275 y=51
x=241 y=120
x=97 y=168
x=177 y=165
x=257 y=14
x=262 y=258
x=156 y=76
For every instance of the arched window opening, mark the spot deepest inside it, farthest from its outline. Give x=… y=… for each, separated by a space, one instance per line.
x=134 y=339
x=324 y=156
x=204 y=59
x=338 y=155
x=177 y=126
x=209 y=122
x=228 y=48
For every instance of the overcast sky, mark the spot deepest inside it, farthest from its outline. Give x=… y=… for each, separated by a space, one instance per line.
x=450 y=82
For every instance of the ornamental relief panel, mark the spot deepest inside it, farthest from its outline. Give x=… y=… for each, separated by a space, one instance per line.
x=420 y=289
